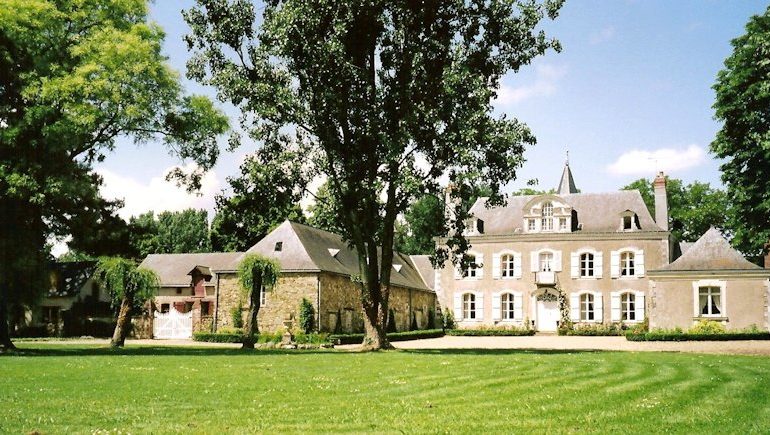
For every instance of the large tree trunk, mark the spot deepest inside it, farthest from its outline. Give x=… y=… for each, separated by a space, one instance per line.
x=375 y=319
x=5 y=334
x=252 y=328
x=123 y=324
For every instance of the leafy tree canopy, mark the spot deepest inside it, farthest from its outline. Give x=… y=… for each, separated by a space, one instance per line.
x=362 y=92
x=693 y=208
x=743 y=106
x=75 y=76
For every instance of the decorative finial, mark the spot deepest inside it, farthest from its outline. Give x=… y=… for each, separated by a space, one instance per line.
x=566 y=161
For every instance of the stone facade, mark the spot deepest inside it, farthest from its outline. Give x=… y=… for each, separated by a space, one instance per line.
x=339 y=302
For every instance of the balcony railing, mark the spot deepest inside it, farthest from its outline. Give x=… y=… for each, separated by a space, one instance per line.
x=547 y=278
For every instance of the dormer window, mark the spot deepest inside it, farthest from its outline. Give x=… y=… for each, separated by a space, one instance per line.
x=629 y=221
x=547 y=217
x=563 y=224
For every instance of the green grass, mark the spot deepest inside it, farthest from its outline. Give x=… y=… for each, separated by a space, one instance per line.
x=81 y=389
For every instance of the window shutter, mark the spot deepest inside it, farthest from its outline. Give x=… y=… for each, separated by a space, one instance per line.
x=496 y=306
x=615 y=264
x=533 y=266
x=695 y=301
x=639 y=306
x=480 y=266
x=639 y=263
x=615 y=306
x=557 y=261
x=458 y=306
x=574 y=263
x=480 y=306
x=518 y=306
x=517 y=265
x=574 y=307
x=598 y=266
x=496 y=266
x=598 y=307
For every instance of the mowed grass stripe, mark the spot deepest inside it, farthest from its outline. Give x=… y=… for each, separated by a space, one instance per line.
x=81 y=390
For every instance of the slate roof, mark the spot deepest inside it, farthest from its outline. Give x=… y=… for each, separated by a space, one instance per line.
x=597 y=212
x=422 y=263
x=711 y=252
x=307 y=249
x=173 y=269
x=567 y=183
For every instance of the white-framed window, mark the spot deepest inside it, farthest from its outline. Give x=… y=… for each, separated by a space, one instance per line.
x=562 y=224
x=628 y=307
x=627 y=263
x=587 y=312
x=507 y=306
x=507 y=265
x=546 y=261
x=531 y=225
x=587 y=265
x=710 y=301
x=546 y=223
x=470 y=271
x=469 y=306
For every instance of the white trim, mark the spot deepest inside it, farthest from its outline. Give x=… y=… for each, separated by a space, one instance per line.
x=497 y=259
x=696 y=285
x=496 y=308
x=598 y=307
x=555 y=262
x=597 y=297
x=597 y=268
x=615 y=306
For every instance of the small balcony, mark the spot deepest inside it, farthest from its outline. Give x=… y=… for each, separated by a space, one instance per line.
x=545 y=278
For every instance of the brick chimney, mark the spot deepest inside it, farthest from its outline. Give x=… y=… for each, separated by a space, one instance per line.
x=661 y=201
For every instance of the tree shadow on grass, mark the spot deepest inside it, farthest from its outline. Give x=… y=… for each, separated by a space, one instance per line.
x=92 y=350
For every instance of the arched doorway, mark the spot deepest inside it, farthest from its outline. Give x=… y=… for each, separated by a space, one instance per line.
x=547 y=315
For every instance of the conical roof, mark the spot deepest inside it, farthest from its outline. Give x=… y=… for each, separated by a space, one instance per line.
x=711 y=252
x=567 y=183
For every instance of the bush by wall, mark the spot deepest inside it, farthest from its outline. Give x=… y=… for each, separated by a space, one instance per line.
x=306 y=316
x=686 y=336
x=491 y=332
x=594 y=330
x=219 y=337
x=394 y=336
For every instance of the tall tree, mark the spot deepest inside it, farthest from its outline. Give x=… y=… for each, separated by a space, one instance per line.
x=423 y=221
x=264 y=195
x=693 y=208
x=184 y=231
x=129 y=287
x=362 y=91
x=256 y=273
x=743 y=106
x=76 y=75
x=324 y=210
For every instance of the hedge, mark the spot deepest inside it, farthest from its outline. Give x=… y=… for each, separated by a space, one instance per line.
x=490 y=332
x=674 y=336
x=218 y=337
x=393 y=336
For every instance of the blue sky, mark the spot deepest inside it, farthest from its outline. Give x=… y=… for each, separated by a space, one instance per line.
x=629 y=93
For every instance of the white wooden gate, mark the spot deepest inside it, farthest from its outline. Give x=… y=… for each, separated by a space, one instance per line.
x=172 y=324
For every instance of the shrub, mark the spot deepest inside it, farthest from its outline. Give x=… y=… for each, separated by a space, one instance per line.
x=396 y=336
x=674 y=336
x=594 y=330
x=495 y=332
x=306 y=316
x=237 y=315
x=219 y=337
x=707 y=327
x=302 y=338
x=269 y=337
x=391 y=326
x=431 y=319
x=449 y=320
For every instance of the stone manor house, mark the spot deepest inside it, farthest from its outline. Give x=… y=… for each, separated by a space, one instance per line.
x=604 y=253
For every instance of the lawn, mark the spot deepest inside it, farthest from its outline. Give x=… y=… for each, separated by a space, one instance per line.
x=68 y=388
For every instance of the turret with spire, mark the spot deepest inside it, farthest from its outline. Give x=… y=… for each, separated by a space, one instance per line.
x=567 y=183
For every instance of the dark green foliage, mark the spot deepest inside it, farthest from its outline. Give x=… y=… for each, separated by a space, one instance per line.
x=325 y=211
x=424 y=220
x=306 y=316
x=449 y=320
x=492 y=332
x=611 y=329
x=693 y=208
x=683 y=336
x=218 y=337
x=391 y=325
x=237 y=315
x=302 y=338
x=742 y=100
x=262 y=197
x=392 y=336
x=383 y=99
x=170 y=233
x=431 y=319
x=256 y=274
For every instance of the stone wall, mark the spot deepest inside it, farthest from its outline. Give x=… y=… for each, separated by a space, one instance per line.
x=341 y=302
x=281 y=302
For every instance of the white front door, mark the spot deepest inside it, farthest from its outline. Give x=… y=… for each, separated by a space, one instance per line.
x=547 y=316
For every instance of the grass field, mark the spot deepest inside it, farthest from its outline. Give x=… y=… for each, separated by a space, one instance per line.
x=67 y=388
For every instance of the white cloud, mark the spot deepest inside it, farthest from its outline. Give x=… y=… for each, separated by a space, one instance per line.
x=157 y=194
x=546 y=79
x=643 y=162
x=602 y=35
